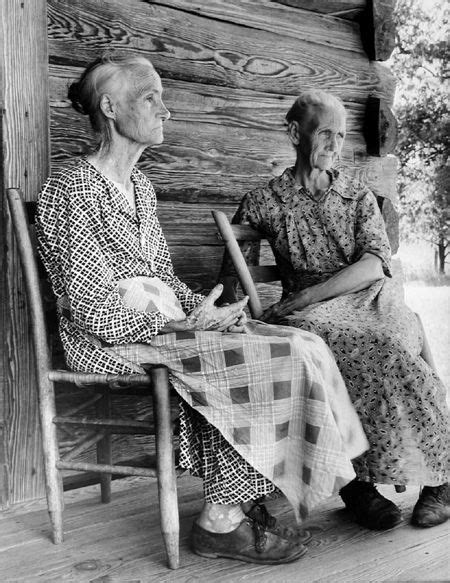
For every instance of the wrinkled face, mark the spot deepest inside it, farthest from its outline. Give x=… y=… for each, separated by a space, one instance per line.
x=140 y=111
x=322 y=137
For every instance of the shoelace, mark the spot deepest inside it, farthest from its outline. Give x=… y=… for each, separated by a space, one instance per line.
x=438 y=493
x=260 y=534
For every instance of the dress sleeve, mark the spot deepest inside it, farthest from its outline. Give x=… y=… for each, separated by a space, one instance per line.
x=70 y=228
x=370 y=232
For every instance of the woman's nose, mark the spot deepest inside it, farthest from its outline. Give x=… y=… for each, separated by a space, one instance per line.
x=333 y=143
x=165 y=113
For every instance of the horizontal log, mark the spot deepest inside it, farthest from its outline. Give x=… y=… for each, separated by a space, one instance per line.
x=268 y=16
x=350 y=9
x=197 y=265
x=202 y=103
x=193 y=48
x=204 y=160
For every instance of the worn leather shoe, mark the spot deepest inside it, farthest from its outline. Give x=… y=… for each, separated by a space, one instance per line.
x=260 y=514
x=432 y=507
x=369 y=507
x=249 y=542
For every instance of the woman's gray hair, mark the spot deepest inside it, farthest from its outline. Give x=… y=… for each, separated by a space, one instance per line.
x=314 y=98
x=85 y=94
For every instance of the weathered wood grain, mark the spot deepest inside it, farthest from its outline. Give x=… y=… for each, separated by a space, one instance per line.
x=380 y=128
x=350 y=9
x=201 y=161
x=378 y=29
x=202 y=103
x=24 y=164
x=230 y=69
x=273 y=17
x=193 y=48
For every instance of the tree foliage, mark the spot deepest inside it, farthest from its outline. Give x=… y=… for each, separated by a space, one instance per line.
x=420 y=63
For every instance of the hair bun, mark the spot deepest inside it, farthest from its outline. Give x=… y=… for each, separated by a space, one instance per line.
x=74 y=95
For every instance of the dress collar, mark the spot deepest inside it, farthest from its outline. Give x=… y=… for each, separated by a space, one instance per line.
x=285 y=186
x=140 y=185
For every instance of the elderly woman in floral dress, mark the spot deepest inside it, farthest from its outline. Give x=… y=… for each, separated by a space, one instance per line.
x=260 y=410
x=330 y=243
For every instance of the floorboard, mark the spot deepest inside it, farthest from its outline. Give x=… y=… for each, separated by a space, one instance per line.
x=121 y=543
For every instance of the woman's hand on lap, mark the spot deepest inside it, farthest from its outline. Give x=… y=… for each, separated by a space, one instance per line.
x=207 y=316
x=293 y=302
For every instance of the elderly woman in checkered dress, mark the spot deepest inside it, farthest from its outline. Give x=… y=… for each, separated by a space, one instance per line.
x=263 y=407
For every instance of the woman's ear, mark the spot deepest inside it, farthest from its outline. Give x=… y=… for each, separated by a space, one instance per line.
x=107 y=106
x=294 y=132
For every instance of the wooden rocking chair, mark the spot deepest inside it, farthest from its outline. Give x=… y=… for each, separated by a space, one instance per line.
x=99 y=388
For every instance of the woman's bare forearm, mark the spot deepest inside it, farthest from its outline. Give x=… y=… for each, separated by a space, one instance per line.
x=351 y=279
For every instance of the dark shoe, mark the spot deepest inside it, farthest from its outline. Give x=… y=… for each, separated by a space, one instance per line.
x=249 y=542
x=260 y=514
x=369 y=507
x=432 y=507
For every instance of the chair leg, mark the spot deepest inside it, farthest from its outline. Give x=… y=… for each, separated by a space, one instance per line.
x=167 y=487
x=53 y=479
x=104 y=448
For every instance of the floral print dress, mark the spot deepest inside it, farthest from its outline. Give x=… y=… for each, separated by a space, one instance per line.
x=375 y=338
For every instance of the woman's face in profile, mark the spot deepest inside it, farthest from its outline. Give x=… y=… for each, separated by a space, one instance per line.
x=140 y=111
x=322 y=137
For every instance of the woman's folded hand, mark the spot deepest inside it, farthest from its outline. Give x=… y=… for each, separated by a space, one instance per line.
x=207 y=316
x=295 y=301
x=239 y=327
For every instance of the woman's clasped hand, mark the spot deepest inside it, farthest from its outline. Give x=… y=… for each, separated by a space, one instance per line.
x=208 y=316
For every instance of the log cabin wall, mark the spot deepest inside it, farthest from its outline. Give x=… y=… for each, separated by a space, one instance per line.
x=230 y=69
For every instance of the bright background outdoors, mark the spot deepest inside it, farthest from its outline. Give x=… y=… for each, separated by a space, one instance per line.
x=420 y=84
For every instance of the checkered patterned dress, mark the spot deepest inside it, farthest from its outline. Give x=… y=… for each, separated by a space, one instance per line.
x=262 y=410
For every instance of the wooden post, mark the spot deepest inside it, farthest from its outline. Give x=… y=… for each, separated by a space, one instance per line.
x=378 y=29
x=24 y=163
x=380 y=127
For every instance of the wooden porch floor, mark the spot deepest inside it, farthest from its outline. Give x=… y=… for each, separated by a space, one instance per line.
x=121 y=543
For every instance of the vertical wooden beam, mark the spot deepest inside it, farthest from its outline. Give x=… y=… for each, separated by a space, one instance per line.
x=380 y=127
x=24 y=164
x=378 y=29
